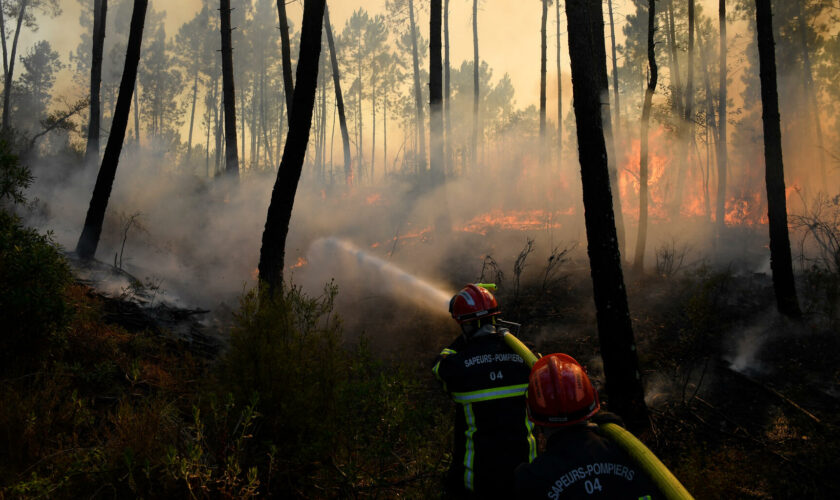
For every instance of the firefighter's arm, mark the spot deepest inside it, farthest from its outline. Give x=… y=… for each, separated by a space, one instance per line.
x=440 y=366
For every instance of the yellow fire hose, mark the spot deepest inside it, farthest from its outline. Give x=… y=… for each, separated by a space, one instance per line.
x=667 y=483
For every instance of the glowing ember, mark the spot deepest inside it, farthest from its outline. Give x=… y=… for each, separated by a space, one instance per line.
x=300 y=263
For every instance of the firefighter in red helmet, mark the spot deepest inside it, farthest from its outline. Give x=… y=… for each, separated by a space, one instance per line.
x=487 y=381
x=578 y=461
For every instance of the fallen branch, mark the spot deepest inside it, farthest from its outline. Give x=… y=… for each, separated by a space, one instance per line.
x=773 y=391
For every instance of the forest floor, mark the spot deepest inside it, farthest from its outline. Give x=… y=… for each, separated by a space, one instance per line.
x=743 y=403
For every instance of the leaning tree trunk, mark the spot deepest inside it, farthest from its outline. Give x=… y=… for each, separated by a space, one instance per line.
x=720 y=202
x=339 y=100
x=418 y=94
x=286 y=51
x=543 y=50
x=618 y=349
x=276 y=230
x=100 y=9
x=89 y=239
x=228 y=93
x=641 y=238
x=780 y=258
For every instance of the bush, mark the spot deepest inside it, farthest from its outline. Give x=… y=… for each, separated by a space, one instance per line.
x=336 y=422
x=33 y=278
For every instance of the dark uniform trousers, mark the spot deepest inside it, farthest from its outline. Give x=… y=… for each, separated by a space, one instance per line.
x=580 y=462
x=493 y=435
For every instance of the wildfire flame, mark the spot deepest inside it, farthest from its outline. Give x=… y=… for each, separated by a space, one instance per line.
x=518 y=220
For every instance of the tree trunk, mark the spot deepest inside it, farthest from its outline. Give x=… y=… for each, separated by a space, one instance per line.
x=676 y=79
x=276 y=230
x=780 y=258
x=720 y=205
x=687 y=128
x=228 y=93
x=7 y=94
x=192 y=115
x=543 y=58
x=711 y=122
x=474 y=138
x=617 y=107
x=3 y=40
x=559 y=93
x=89 y=239
x=641 y=239
x=435 y=94
x=606 y=120
x=418 y=94
x=811 y=92
x=285 y=48
x=100 y=9
x=446 y=91
x=136 y=114
x=360 y=161
x=373 y=121
x=339 y=100
x=618 y=349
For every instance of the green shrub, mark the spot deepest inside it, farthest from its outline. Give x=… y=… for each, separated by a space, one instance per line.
x=14 y=177
x=33 y=278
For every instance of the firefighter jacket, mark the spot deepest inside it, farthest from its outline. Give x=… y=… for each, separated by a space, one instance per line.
x=487 y=381
x=580 y=462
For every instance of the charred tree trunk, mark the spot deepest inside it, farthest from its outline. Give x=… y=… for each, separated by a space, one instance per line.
x=617 y=107
x=418 y=94
x=192 y=115
x=641 y=239
x=720 y=202
x=606 y=121
x=339 y=100
x=228 y=93
x=811 y=91
x=687 y=128
x=474 y=138
x=276 y=230
x=446 y=91
x=435 y=95
x=780 y=258
x=89 y=239
x=100 y=9
x=7 y=85
x=711 y=122
x=543 y=58
x=618 y=349
x=285 y=48
x=559 y=93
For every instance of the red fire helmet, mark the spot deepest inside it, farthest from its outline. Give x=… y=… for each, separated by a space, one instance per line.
x=473 y=302
x=559 y=392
